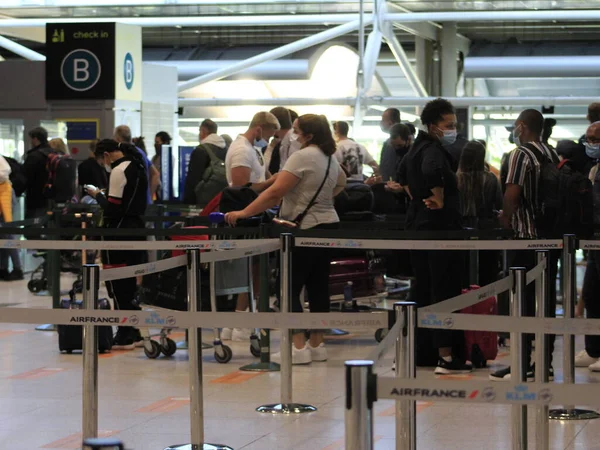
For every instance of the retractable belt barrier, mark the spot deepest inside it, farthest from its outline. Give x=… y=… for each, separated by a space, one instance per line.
x=184 y=319
x=180 y=261
x=485 y=392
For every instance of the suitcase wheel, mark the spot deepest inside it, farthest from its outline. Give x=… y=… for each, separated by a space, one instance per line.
x=154 y=351
x=223 y=354
x=169 y=348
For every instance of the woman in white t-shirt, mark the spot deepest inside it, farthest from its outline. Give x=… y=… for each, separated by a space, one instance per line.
x=301 y=178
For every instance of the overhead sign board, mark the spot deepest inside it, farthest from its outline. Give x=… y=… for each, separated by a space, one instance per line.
x=99 y=61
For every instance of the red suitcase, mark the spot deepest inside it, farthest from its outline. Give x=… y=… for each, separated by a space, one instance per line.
x=481 y=346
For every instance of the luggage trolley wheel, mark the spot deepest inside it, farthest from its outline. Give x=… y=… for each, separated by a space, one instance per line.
x=224 y=356
x=36 y=286
x=169 y=347
x=380 y=334
x=255 y=347
x=154 y=351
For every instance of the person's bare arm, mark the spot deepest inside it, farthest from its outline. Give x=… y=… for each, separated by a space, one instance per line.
x=375 y=167
x=341 y=183
x=512 y=198
x=154 y=179
x=240 y=176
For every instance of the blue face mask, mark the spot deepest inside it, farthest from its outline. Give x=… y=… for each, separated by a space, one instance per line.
x=261 y=143
x=448 y=138
x=592 y=150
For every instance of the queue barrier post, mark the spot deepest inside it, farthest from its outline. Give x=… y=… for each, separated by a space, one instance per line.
x=406 y=410
x=91 y=284
x=265 y=364
x=542 y=290
x=360 y=396
x=195 y=362
x=569 y=295
x=519 y=357
x=52 y=271
x=286 y=406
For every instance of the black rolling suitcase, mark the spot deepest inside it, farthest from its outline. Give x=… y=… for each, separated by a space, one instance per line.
x=70 y=337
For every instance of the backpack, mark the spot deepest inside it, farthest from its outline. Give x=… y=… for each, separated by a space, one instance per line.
x=17 y=176
x=565 y=199
x=62 y=177
x=356 y=197
x=214 y=179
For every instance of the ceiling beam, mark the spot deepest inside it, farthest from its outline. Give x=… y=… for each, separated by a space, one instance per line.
x=35 y=34
x=21 y=50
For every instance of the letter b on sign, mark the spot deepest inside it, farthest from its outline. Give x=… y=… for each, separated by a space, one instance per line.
x=128 y=71
x=80 y=70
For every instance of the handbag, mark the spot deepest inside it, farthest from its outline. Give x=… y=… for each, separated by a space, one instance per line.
x=300 y=217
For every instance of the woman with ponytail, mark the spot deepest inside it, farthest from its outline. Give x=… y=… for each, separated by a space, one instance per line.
x=123 y=206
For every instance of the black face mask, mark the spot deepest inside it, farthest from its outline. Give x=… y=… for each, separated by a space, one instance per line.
x=402 y=150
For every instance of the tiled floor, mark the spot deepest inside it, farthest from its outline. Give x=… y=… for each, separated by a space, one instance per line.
x=145 y=402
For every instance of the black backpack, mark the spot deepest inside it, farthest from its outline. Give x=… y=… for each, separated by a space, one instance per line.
x=214 y=179
x=62 y=176
x=17 y=176
x=356 y=197
x=565 y=200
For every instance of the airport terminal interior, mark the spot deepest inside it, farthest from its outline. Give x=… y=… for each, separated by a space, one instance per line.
x=91 y=75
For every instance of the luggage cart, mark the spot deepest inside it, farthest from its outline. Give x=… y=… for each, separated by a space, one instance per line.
x=228 y=278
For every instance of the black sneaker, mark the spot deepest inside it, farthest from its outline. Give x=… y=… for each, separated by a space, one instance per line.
x=453 y=367
x=4 y=274
x=531 y=373
x=501 y=375
x=124 y=340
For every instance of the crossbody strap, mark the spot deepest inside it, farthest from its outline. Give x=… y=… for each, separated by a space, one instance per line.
x=300 y=217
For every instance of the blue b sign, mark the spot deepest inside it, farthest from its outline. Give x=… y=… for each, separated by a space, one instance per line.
x=80 y=70
x=128 y=71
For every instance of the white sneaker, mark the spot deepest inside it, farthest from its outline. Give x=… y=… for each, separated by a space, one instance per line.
x=582 y=359
x=593 y=367
x=299 y=357
x=303 y=356
x=226 y=334
x=318 y=353
x=241 y=334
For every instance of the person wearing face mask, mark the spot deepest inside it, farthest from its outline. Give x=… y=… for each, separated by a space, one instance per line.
x=427 y=176
x=245 y=166
x=590 y=356
x=520 y=203
x=388 y=160
x=123 y=207
x=305 y=188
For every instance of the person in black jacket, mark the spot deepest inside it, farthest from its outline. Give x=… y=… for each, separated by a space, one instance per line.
x=91 y=171
x=34 y=169
x=123 y=206
x=200 y=160
x=428 y=178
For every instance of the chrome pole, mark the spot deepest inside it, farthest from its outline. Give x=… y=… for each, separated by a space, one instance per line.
x=406 y=410
x=286 y=406
x=195 y=362
x=358 y=417
x=519 y=358
x=569 y=295
x=91 y=284
x=542 y=289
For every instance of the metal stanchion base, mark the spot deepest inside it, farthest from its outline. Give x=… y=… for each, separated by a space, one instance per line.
x=261 y=367
x=572 y=414
x=199 y=447
x=286 y=408
x=47 y=327
x=336 y=332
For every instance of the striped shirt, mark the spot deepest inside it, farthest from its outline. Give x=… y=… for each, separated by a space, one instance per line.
x=524 y=170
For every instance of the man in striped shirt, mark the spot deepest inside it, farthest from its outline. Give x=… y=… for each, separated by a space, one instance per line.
x=520 y=204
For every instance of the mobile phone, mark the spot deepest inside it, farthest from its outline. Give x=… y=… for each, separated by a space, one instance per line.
x=285 y=223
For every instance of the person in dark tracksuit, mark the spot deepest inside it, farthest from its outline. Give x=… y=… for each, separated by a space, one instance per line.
x=428 y=178
x=123 y=205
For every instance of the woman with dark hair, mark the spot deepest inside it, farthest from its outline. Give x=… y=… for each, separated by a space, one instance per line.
x=123 y=206
x=305 y=188
x=481 y=200
x=427 y=176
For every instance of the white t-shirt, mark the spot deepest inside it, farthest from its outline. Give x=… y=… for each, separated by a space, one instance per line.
x=289 y=146
x=241 y=153
x=310 y=165
x=352 y=156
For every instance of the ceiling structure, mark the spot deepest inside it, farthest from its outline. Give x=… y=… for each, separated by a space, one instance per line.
x=183 y=42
